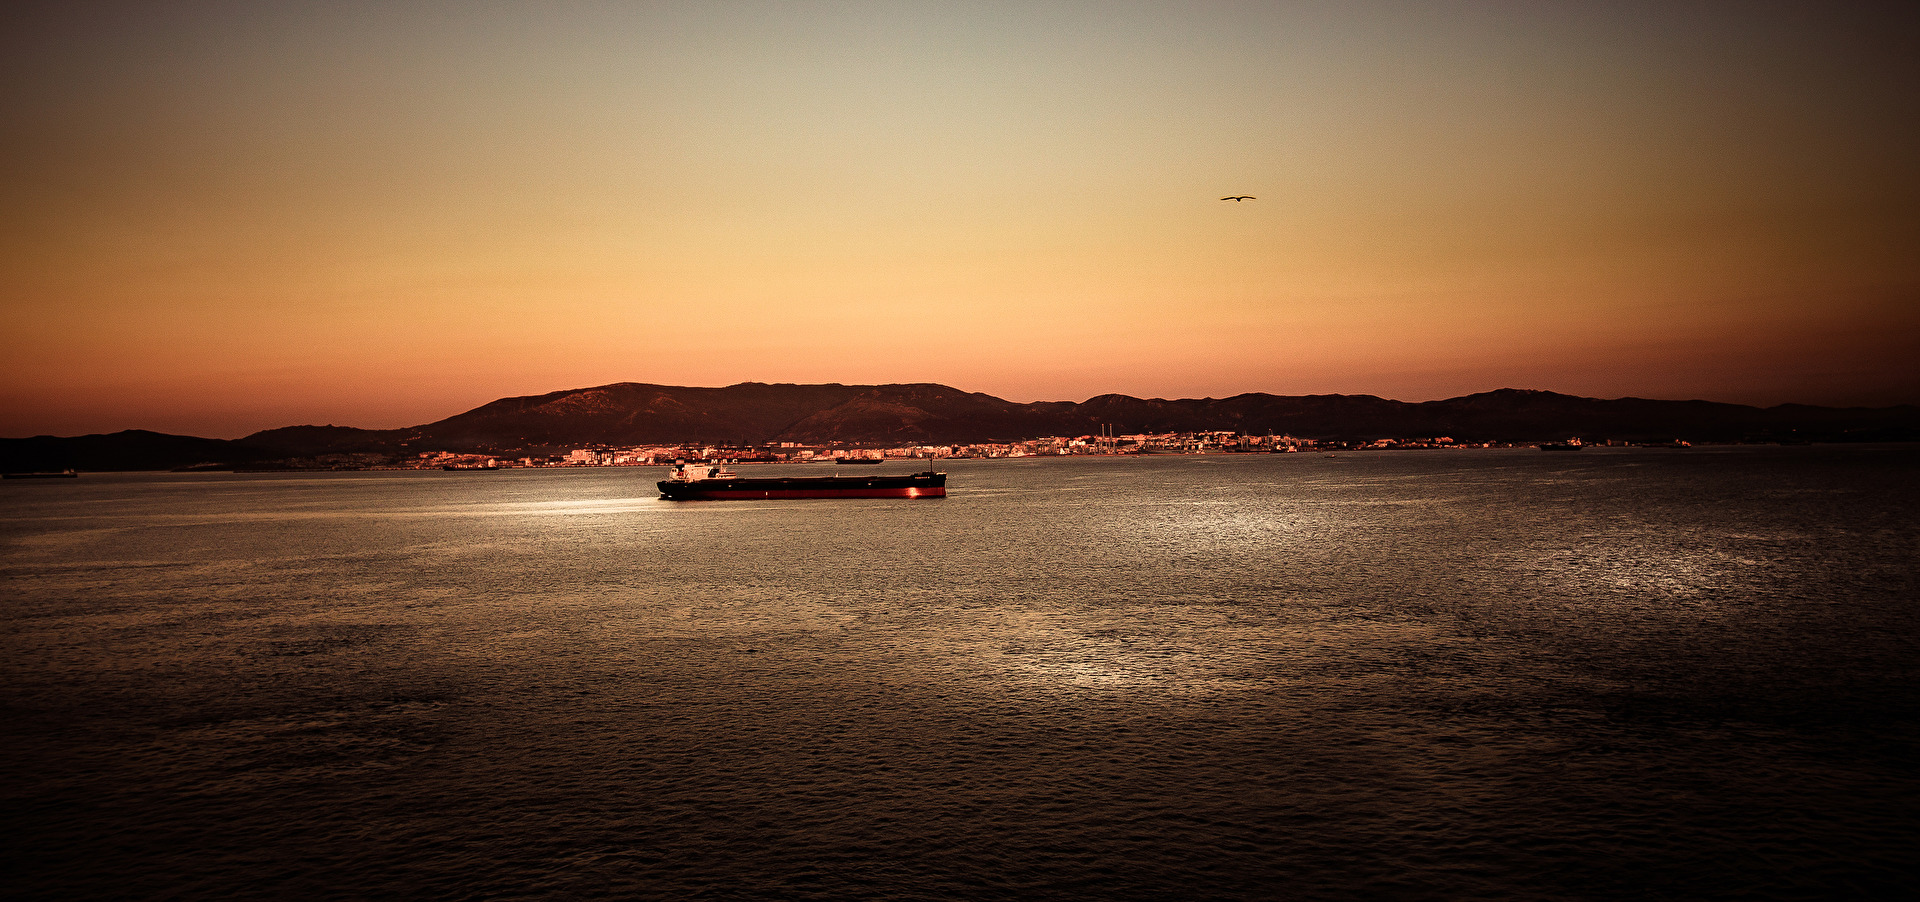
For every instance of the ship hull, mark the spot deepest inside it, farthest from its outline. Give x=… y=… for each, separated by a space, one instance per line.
x=917 y=485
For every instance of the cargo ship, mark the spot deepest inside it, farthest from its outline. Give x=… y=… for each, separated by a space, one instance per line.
x=705 y=482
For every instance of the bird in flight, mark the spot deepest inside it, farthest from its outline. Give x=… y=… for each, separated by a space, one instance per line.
x=1241 y=197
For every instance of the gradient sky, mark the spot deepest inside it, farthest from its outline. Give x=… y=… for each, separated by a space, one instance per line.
x=223 y=217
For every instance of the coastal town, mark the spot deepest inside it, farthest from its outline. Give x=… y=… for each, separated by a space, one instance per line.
x=643 y=425
x=836 y=453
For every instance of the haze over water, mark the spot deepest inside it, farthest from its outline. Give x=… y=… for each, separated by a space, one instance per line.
x=1611 y=674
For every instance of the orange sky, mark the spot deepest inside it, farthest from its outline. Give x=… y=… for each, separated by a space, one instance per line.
x=223 y=217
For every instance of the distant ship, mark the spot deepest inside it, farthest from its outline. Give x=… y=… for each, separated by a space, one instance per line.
x=857 y=460
x=705 y=482
x=63 y=474
x=1572 y=444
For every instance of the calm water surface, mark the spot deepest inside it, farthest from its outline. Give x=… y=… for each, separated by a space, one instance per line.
x=1499 y=674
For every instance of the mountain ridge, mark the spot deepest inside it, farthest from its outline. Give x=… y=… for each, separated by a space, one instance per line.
x=753 y=413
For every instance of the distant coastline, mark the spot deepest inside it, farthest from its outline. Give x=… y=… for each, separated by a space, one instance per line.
x=758 y=421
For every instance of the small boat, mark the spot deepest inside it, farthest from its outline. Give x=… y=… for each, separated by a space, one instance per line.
x=706 y=482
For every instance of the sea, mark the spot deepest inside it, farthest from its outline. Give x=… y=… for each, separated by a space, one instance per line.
x=1470 y=674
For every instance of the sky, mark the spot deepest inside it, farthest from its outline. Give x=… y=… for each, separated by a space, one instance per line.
x=217 y=218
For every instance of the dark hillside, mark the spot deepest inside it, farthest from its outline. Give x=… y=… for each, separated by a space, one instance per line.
x=630 y=413
x=133 y=449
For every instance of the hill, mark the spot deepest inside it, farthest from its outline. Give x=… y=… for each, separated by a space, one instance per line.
x=132 y=449
x=631 y=413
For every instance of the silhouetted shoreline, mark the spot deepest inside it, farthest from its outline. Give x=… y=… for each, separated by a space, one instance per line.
x=752 y=421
